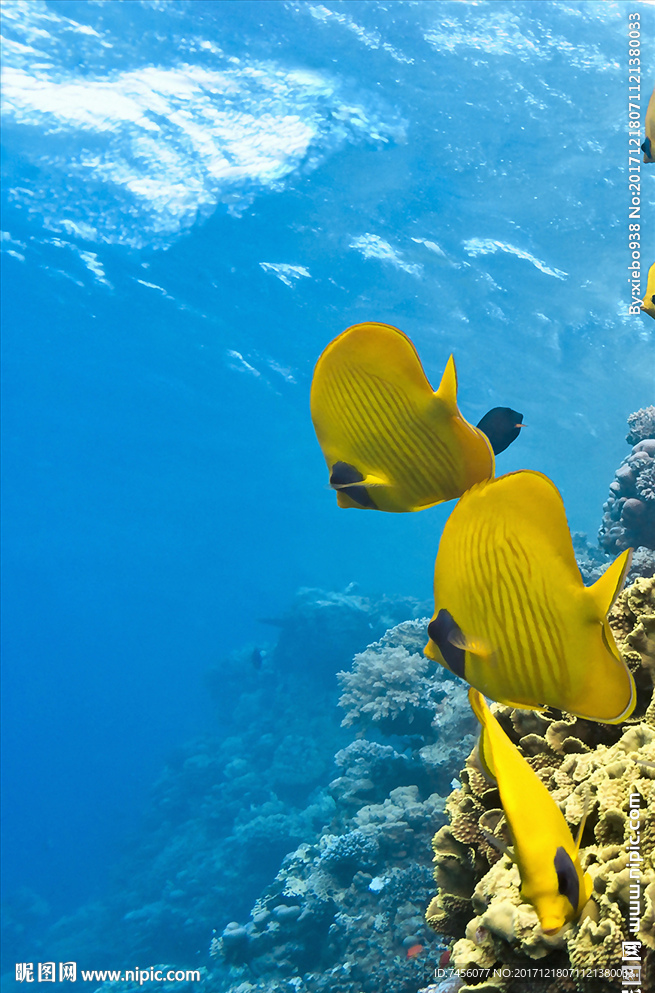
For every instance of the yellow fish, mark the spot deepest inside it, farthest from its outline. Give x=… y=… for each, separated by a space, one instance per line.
x=544 y=850
x=648 y=147
x=389 y=441
x=648 y=303
x=512 y=616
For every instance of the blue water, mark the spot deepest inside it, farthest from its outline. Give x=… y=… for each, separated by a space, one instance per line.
x=197 y=197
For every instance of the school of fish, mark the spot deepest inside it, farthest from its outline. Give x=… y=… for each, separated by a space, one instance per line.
x=512 y=616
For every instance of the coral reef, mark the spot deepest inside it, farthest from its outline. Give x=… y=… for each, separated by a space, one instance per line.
x=343 y=911
x=592 y=561
x=228 y=808
x=589 y=768
x=356 y=804
x=629 y=512
x=392 y=687
x=328 y=923
x=641 y=425
x=346 y=621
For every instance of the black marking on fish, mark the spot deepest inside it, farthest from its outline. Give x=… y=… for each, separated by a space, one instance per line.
x=440 y=630
x=360 y=495
x=568 y=883
x=646 y=148
x=501 y=426
x=343 y=473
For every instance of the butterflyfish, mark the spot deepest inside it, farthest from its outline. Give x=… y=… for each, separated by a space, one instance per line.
x=648 y=147
x=648 y=303
x=501 y=426
x=543 y=848
x=390 y=442
x=512 y=616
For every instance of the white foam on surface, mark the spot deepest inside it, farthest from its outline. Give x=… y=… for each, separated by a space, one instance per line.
x=370 y=39
x=288 y=274
x=239 y=364
x=372 y=246
x=165 y=144
x=488 y=246
x=491 y=30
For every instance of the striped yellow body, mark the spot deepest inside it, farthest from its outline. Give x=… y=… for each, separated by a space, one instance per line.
x=374 y=409
x=537 y=824
x=533 y=634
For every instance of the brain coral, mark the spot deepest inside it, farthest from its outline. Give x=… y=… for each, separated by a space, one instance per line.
x=607 y=771
x=629 y=511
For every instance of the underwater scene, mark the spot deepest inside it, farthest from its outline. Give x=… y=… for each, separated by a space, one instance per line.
x=328 y=478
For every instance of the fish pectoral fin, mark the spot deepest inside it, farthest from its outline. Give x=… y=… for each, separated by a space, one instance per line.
x=369 y=481
x=606 y=589
x=343 y=475
x=499 y=844
x=483 y=749
x=476 y=646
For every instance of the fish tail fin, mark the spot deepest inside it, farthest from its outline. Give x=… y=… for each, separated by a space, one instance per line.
x=447 y=391
x=606 y=589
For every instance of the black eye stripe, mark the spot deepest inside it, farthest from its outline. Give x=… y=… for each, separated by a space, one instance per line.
x=360 y=495
x=440 y=629
x=342 y=473
x=568 y=883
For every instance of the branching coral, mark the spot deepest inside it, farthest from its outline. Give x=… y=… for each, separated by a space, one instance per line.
x=393 y=687
x=587 y=767
x=391 y=684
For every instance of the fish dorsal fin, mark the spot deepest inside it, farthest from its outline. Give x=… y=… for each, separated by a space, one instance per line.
x=588 y=887
x=481 y=711
x=585 y=813
x=498 y=844
x=485 y=756
x=606 y=589
x=514 y=493
x=447 y=391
